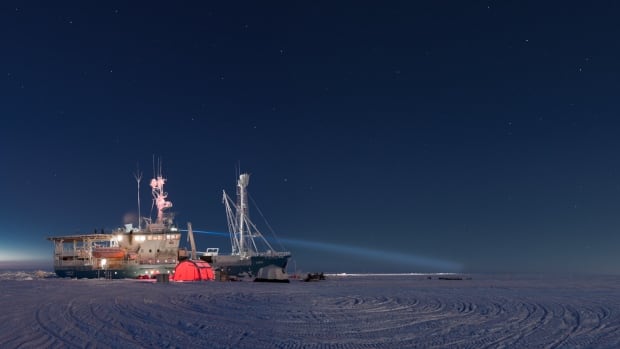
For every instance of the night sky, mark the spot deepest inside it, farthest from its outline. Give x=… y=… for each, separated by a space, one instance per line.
x=414 y=136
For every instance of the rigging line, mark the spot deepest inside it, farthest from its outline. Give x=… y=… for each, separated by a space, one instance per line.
x=266 y=222
x=153 y=200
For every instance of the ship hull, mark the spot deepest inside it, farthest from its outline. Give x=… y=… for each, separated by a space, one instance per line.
x=245 y=267
x=124 y=272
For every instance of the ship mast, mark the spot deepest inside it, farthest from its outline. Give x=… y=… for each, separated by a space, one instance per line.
x=242 y=212
x=242 y=231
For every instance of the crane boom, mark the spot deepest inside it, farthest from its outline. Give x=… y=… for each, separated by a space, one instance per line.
x=190 y=237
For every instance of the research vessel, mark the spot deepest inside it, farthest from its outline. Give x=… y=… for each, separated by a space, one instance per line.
x=128 y=252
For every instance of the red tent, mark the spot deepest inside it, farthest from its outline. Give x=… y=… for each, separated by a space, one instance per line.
x=189 y=270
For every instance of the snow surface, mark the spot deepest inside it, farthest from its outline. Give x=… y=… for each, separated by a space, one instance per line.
x=396 y=311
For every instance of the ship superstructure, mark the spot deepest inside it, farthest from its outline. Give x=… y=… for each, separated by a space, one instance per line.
x=128 y=252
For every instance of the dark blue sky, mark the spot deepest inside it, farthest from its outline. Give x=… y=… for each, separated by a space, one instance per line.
x=395 y=137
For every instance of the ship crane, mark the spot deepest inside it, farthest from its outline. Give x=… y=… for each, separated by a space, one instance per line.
x=243 y=231
x=190 y=237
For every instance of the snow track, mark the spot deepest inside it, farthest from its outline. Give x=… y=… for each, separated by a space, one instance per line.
x=341 y=312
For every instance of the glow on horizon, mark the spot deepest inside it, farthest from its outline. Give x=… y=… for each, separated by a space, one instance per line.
x=22 y=256
x=21 y=251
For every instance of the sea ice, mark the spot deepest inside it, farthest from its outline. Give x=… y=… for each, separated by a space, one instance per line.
x=396 y=311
